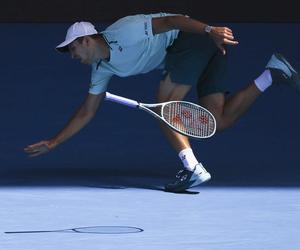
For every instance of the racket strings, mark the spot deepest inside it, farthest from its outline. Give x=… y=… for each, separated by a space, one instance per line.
x=189 y=119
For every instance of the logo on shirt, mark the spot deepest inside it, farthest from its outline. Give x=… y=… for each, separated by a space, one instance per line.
x=116 y=42
x=146 y=28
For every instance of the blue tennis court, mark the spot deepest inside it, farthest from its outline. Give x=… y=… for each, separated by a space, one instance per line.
x=216 y=218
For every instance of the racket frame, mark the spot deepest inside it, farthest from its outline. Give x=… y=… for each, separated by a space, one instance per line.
x=147 y=107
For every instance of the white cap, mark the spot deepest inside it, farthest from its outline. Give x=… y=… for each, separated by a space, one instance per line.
x=76 y=30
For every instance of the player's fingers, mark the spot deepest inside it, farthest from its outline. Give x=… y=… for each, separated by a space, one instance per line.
x=229 y=32
x=35 y=146
x=225 y=32
x=228 y=36
x=230 y=42
x=31 y=149
x=36 y=154
x=225 y=37
x=38 y=151
x=228 y=29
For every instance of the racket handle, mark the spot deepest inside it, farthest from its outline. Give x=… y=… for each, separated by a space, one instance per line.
x=121 y=100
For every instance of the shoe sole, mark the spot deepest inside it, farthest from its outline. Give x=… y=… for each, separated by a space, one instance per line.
x=278 y=62
x=204 y=178
x=295 y=74
x=281 y=58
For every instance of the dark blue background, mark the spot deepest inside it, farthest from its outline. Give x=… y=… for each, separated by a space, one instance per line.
x=40 y=89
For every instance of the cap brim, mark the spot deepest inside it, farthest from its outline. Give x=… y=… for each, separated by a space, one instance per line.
x=63 y=47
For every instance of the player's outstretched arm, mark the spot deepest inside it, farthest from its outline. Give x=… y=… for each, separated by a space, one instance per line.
x=220 y=35
x=79 y=120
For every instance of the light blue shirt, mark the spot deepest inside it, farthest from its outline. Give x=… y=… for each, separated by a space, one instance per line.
x=133 y=50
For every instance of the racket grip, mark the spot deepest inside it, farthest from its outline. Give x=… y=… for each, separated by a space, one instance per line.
x=121 y=100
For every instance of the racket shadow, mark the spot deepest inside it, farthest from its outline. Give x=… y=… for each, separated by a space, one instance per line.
x=87 y=230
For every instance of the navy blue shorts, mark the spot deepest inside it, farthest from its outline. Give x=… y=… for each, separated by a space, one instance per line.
x=194 y=59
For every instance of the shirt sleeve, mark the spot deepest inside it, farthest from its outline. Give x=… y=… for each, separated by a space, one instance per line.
x=99 y=82
x=132 y=29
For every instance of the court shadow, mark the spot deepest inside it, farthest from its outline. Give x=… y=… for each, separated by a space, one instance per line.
x=79 y=178
x=83 y=178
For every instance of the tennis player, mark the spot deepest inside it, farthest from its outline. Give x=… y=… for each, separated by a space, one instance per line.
x=190 y=53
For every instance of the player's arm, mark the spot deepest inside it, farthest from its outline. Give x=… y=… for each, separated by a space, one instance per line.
x=79 y=120
x=221 y=35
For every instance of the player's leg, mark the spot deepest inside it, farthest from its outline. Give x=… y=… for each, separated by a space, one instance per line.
x=228 y=111
x=204 y=67
x=169 y=91
x=186 y=61
x=193 y=173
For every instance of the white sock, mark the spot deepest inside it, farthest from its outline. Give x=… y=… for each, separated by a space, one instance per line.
x=188 y=158
x=264 y=80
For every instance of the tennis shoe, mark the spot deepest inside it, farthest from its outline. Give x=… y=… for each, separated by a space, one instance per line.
x=186 y=179
x=283 y=72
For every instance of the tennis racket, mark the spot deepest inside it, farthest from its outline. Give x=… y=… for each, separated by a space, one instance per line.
x=184 y=117
x=88 y=230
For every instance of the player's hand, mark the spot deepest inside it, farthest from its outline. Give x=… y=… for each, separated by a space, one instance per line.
x=222 y=36
x=39 y=148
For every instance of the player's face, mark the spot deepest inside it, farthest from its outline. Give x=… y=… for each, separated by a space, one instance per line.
x=81 y=51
